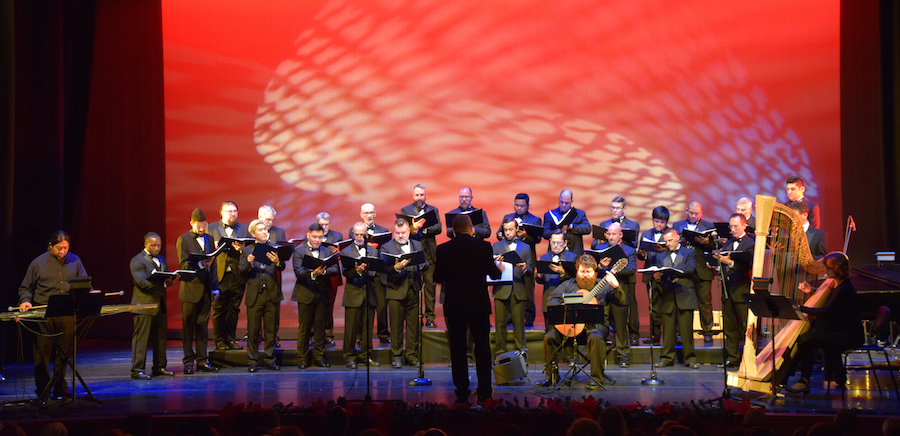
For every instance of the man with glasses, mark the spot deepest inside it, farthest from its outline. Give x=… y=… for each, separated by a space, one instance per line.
x=367 y=213
x=523 y=216
x=577 y=226
x=312 y=292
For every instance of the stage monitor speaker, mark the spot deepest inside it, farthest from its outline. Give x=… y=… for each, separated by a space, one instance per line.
x=509 y=366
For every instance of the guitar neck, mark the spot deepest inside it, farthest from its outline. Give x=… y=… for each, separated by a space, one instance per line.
x=595 y=290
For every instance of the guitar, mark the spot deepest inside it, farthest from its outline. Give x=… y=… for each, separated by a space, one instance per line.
x=590 y=297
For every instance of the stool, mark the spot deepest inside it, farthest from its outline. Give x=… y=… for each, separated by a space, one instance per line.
x=868 y=349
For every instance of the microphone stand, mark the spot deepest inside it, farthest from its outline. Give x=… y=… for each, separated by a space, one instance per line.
x=654 y=380
x=420 y=380
x=726 y=393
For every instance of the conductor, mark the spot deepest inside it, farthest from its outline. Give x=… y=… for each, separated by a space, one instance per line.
x=462 y=267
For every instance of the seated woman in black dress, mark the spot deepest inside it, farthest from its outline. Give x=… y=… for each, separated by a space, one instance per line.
x=836 y=326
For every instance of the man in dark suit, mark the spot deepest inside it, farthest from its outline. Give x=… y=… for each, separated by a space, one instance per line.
x=737 y=270
x=509 y=298
x=558 y=253
x=425 y=236
x=226 y=309
x=660 y=216
x=796 y=191
x=267 y=214
x=483 y=230
x=521 y=204
x=196 y=295
x=331 y=238
x=617 y=208
x=367 y=213
x=744 y=206
x=263 y=297
x=312 y=292
x=619 y=311
x=276 y=234
x=149 y=323
x=586 y=277
x=703 y=275
x=463 y=263
x=575 y=231
x=403 y=282
x=814 y=237
x=678 y=300
x=360 y=300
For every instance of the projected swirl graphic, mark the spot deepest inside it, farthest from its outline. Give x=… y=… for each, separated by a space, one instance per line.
x=380 y=96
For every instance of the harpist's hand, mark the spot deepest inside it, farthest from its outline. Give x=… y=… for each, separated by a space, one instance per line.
x=805 y=287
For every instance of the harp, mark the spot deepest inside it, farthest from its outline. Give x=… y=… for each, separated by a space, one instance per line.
x=781 y=252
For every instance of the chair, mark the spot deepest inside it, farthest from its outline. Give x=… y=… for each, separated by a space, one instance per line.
x=887 y=366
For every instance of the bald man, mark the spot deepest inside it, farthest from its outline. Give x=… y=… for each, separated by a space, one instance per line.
x=575 y=231
x=367 y=214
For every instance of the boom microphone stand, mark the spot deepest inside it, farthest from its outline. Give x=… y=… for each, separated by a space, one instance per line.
x=654 y=380
x=421 y=380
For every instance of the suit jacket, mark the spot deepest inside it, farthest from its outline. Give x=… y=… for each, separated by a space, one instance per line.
x=146 y=291
x=399 y=283
x=371 y=230
x=231 y=259
x=333 y=237
x=627 y=224
x=579 y=227
x=262 y=280
x=462 y=265
x=356 y=288
x=528 y=218
x=551 y=281
x=737 y=277
x=517 y=287
x=649 y=257
x=425 y=235
x=703 y=272
x=207 y=278
x=627 y=274
x=482 y=231
x=816 y=239
x=276 y=234
x=677 y=292
x=305 y=288
x=814 y=213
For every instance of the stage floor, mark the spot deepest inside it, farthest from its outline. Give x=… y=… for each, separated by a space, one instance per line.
x=105 y=366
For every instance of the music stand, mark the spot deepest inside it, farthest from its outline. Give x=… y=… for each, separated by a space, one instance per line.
x=575 y=313
x=765 y=305
x=80 y=300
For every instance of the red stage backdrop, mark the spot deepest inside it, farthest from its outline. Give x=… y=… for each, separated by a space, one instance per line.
x=323 y=105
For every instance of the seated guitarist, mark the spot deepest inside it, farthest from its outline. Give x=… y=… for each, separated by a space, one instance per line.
x=585 y=280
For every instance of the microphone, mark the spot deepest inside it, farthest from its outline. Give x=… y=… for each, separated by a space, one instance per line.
x=852 y=223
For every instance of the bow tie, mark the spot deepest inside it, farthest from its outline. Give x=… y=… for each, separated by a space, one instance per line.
x=229 y=226
x=671 y=252
x=195 y=235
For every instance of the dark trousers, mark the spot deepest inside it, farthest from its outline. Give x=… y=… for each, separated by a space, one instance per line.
x=704 y=300
x=734 y=325
x=153 y=328
x=429 y=290
x=329 y=319
x=503 y=309
x=682 y=319
x=634 y=321
x=312 y=316
x=264 y=315
x=358 y=324
x=832 y=344
x=226 y=309
x=458 y=328
x=381 y=311
x=49 y=347
x=405 y=311
x=596 y=349
x=529 y=300
x=619 y=315
x=195 y=329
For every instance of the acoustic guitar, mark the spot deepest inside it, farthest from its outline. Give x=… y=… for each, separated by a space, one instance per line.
x=590 y=297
